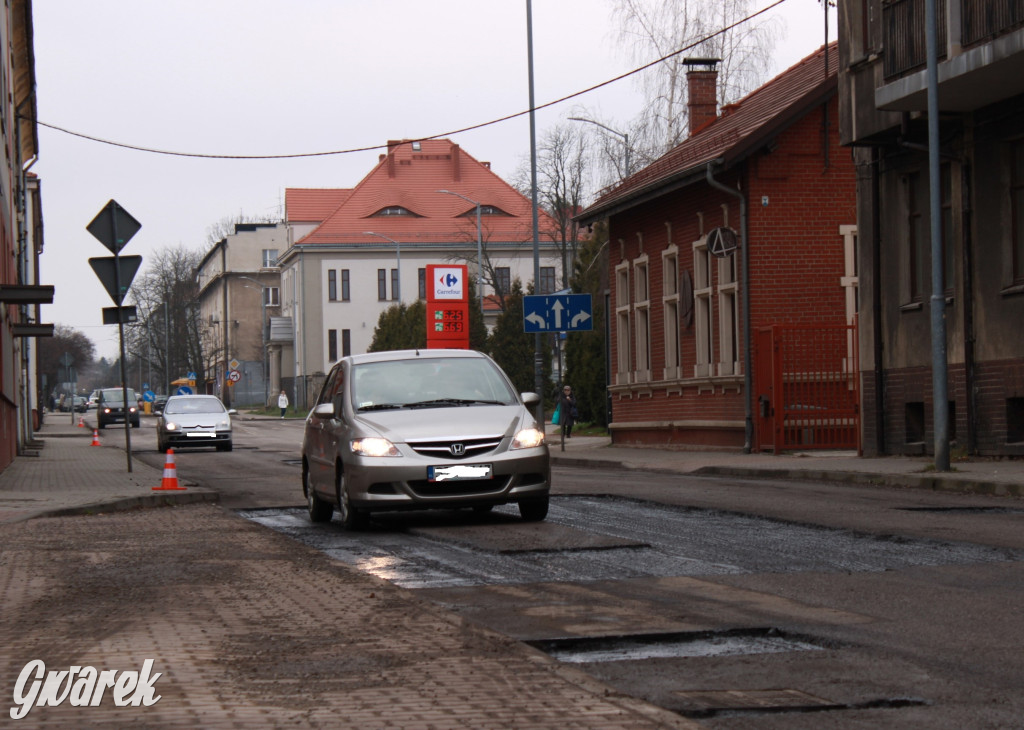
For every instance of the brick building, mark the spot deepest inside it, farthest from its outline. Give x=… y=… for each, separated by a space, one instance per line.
x=731 y=248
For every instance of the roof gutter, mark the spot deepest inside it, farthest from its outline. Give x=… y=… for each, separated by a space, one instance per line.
x=748 y=422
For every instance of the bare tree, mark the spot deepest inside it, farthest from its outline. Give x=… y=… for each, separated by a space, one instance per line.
x=170 y=334
x=652 y=29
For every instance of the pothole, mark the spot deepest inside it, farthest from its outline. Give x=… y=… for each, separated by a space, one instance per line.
x=734 y=642
x=703 y=704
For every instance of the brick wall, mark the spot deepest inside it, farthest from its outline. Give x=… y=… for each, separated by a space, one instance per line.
x=796 y=256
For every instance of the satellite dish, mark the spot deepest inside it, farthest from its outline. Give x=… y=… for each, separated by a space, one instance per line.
x=722 y=242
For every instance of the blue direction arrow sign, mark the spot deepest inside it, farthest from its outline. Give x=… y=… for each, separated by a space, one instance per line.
x=557 y=313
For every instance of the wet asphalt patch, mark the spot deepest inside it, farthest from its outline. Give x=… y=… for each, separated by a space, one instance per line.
x=589 y=538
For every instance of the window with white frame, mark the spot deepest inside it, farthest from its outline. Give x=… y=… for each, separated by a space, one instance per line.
x=728 y=317
x=622 y=337
x=703 y=330
x=269 y=258
x=642 y=317
x=271 y=296
x=670 y=303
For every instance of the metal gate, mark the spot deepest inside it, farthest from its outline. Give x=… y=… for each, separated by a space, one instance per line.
x=808 y=387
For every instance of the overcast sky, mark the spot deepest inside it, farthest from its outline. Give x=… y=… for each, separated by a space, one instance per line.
x=265 y=77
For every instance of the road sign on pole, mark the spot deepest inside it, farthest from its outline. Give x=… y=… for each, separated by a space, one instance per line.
x=113 y=226
x=116 y=274
x=557 y=313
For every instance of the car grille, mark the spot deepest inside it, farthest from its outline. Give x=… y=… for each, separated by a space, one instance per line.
x=456 y=448
x=460 y=487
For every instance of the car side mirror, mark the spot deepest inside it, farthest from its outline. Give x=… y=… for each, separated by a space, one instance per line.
x=530 y=399
x=324 y=410
x=232 y=412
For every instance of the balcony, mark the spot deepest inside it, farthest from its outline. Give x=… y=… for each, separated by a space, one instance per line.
x=983 y=20
x=980 y=48
x=903 y=21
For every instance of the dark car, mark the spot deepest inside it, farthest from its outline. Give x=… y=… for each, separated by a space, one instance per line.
x=110 y=407
x=422 y=429
x=75 y=403
x=158 y=403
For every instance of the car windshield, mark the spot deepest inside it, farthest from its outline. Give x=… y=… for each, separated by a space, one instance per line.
x=193 y=405
x=426 y=382
x=114 y=396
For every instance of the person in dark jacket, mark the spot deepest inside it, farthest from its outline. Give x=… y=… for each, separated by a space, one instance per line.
x=567 y=412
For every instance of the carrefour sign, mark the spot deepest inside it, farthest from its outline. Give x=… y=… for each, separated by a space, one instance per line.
x=448 y=283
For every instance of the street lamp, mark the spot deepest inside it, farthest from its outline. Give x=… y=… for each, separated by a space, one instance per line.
x=479 y=247
x=263 y=334
x=398 y=262
x=625 y=137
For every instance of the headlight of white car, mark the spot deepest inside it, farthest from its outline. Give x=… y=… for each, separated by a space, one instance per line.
x=171 y=426
x=373 y=446
x=528 y=438
x=224 y=424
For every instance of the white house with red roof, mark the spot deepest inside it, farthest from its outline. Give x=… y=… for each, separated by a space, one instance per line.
x=355 y=252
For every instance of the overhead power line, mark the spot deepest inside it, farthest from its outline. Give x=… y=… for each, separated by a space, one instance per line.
x=451 y=133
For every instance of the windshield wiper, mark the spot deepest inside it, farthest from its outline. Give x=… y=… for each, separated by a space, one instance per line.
x=454 y=402
x=380 y=407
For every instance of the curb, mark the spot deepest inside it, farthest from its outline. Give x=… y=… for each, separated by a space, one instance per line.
x=906 y=481
x=125 y=504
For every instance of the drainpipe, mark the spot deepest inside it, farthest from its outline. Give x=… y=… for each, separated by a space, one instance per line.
x=748 y=387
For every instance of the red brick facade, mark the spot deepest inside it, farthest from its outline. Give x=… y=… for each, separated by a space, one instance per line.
x=678 y=357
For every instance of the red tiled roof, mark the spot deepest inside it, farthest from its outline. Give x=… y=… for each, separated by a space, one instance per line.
x=409 y=177
x=744 y=127
x=312 y=204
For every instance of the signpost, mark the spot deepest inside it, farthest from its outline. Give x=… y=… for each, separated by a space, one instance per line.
x=557 y=313
x=113 y=226
x=447 y=307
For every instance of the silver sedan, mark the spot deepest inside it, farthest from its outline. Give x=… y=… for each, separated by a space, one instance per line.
x=194 y=420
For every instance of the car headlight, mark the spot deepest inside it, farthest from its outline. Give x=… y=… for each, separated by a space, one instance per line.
x=528 y=438
x=373 y=446
x=171 y=426
x=224 y=424
x=106 y=410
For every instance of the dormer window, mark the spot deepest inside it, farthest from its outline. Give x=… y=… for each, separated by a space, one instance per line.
x=485 y=210
x=395 y=210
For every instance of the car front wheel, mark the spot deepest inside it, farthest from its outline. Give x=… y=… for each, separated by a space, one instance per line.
x=351 y=518
x=534 y=510
x=319 y=510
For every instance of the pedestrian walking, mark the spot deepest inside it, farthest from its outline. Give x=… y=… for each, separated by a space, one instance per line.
x=282 y=402
x=567 y=413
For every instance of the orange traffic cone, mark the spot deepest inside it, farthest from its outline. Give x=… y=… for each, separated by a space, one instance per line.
x=170 y=480
x=81 y=422
x=95 y=438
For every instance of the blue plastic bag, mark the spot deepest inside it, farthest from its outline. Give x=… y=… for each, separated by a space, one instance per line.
x=554 y=418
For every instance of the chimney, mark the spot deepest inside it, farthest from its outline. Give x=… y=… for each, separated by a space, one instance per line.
x=701 y=91
x=456 y=163
x=392 y=144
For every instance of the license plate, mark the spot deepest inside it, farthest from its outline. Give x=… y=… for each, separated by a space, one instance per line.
x=458 y=472
x=201 y=434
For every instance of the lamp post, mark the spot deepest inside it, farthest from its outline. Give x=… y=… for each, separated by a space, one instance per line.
x=479 y=247
x=398 y=261
x=263 y=333
x=625 y=137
